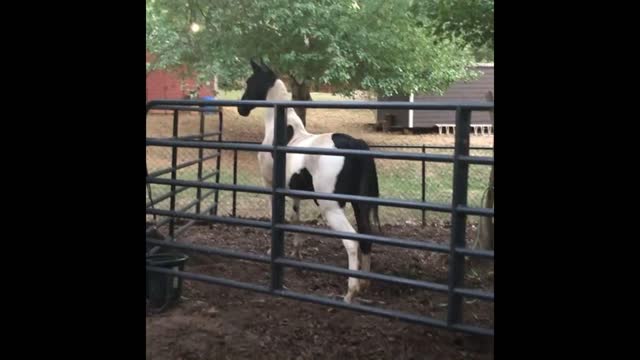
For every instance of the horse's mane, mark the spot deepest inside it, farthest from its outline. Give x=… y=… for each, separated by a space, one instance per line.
x=279 y=92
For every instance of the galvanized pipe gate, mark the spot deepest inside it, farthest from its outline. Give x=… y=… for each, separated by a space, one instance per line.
x=459 y=210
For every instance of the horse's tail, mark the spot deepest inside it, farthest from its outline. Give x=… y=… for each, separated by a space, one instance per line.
x=359 y=177
x=366 y=212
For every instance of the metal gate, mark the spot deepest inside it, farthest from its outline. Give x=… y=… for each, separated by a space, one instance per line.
x=458 y=209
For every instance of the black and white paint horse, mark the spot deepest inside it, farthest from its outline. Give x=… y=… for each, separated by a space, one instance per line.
x=354 y=175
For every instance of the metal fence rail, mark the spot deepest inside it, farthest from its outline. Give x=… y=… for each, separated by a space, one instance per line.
x=458 y=209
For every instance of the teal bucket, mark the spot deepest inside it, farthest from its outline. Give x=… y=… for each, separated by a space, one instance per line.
x=164 y=290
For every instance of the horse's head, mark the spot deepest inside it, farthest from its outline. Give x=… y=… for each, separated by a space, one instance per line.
x=258 y=84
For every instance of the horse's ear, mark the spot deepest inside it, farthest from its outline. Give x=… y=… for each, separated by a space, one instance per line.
x=266 y=68
x=256 y=67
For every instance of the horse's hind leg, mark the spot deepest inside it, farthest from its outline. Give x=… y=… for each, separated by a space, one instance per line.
x=297 y=237
x=268 y=184
x=365 y=263
x=338 y=221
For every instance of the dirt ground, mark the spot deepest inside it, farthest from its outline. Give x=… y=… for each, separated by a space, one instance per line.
x=214 y=322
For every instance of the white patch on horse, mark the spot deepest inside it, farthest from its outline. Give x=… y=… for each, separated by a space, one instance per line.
x=324 y=171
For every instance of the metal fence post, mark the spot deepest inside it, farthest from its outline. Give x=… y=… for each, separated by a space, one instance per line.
x=235 y=181
x=200 y=153
x=174 y=164
x=278 y=200
x=424 y=188
x=458 y=219
x=214 y=210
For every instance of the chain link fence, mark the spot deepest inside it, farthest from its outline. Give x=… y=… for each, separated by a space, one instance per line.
x=398 y=179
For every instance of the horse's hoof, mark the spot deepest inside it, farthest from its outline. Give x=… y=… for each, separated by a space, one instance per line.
x=350 y=295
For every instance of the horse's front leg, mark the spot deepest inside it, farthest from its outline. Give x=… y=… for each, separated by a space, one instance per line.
x=265 y=163
x=268 y=184
x=297 y=237
x=338 y=221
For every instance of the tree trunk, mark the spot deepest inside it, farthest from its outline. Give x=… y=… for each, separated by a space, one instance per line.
x=485 y=239
x=214 y=86
x=300 y=91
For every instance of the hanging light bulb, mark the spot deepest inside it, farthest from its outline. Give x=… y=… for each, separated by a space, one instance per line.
x=195 y=27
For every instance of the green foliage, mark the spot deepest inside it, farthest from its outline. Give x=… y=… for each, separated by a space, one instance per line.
x=385 y=46
x=471 y=20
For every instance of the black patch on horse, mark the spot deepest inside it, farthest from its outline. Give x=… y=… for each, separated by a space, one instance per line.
x=302 y=181
x=289 y=136
x=348 y=179
x=289 y=133
x=358 y=177
x=258 y=86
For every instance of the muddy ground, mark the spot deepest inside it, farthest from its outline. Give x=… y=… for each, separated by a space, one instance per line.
x=215 y=322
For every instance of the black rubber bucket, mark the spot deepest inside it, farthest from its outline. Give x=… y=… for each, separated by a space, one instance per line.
x=164 y=290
